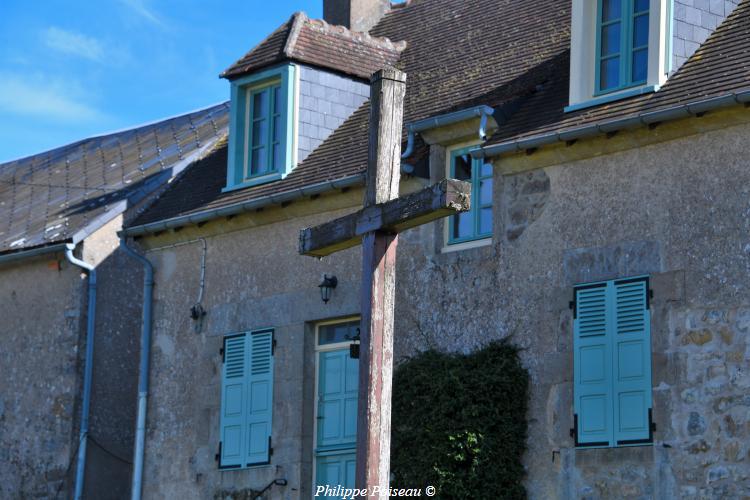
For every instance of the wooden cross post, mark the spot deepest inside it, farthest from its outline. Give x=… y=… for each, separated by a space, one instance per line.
x=376 y=227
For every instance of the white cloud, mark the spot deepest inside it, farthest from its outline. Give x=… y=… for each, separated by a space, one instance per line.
x=45 y=98
x=76 y=44
x=140 y=8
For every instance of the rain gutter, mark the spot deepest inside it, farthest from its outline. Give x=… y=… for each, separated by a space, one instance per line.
x=32 y=252
x=697 y=108
x=87 y=368
x=483 y=112
x=140 y=428
x=243 y=207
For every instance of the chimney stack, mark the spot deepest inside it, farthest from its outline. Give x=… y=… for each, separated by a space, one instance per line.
x=357 y=15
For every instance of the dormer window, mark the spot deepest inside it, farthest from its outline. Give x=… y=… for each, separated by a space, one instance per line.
x=619 y=48
x=262 y=133
x=623 y=44
x=264 y=136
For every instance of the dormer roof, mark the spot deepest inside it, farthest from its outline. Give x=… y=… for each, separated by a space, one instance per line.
x=315 y=42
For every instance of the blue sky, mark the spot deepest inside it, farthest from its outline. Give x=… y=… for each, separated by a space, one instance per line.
x=71 y=69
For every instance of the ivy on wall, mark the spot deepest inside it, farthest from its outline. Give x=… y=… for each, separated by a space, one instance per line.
x=459 y=423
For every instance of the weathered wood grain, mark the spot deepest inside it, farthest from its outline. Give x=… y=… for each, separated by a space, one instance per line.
x=442 y=199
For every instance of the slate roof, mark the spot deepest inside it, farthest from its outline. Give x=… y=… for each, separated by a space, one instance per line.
x=65 y=194
x=721 y=66
x=315 y=42
x=511 y=55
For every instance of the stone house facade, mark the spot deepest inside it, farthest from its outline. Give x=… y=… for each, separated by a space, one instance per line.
x=79 y=196
x=580 y=187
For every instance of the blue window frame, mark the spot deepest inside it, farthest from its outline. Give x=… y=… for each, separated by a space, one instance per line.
x=476 y=223
x=261 y=128
x=612 y=364
x=622 y=44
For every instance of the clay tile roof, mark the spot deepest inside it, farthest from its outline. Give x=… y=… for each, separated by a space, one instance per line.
x=719 y=67
x=63 y=195
x=512 y=55
x=318 y=43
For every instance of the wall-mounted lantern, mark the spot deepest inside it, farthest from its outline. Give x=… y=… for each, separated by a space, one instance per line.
x=327 y=286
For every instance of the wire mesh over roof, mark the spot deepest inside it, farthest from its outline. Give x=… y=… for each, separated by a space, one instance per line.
x=69 y=192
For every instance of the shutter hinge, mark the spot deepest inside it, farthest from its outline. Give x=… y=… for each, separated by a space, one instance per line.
x=652 y=424
x=270 y=448
x=572 y=306
x=649 y=297
x=221 y=351
x=217 y=457
x=273 y=346
x=573 y=430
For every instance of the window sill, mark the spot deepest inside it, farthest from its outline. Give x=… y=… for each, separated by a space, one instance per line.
x=466 y=245
x=616 y=96
x=254 y=181
x=231 y=468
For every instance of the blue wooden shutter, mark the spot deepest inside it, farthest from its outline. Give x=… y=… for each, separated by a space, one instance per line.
x=260 y=397
x=592 y=357
x=233 y=390
x=632 y=362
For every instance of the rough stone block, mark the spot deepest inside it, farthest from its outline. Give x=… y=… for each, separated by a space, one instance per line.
x=583 y=265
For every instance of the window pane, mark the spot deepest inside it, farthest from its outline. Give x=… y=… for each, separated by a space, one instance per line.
x=611 y=9
x=276 y=163
x=258 y=161
x=260 y=104
x=260 y=133
x=462 y=167
x=277 y=129
x=611 y=39
x=276 y=99
x=640 y=65
x=342 y=332
x=486 y=169
x=640 y=31
x=485 y=192
x=640 y=5
x=462 y=225
x=485 y=220
x=610 y=73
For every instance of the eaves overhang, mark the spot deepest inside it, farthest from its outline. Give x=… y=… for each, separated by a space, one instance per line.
x=650 y=118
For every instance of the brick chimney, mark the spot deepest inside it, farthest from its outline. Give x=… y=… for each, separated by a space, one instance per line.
x=357 y=15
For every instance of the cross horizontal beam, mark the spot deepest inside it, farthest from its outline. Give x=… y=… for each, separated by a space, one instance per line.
x=445 y=198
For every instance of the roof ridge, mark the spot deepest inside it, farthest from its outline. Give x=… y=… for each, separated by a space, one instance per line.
x=362 y=37
x=120 y=131
x=298 y=21
x=284 y=25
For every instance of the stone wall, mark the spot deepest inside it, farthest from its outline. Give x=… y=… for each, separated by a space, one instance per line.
x=326 y=100
x=43 y=334
x=254 y=279
x=115 y=370
x=677 y=211
x=38 y=389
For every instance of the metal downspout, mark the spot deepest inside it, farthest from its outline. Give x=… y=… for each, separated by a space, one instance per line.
x=140 y=429
x=88 y=368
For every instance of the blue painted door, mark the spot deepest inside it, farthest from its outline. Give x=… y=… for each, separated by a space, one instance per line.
x=336 y=419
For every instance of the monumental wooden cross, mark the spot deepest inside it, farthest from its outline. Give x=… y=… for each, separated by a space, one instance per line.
x=376 y=227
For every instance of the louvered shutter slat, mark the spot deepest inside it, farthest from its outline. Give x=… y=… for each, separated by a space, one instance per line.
x=632 y=363
x=233 y=401
x=592 y=378
x=260 y=397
